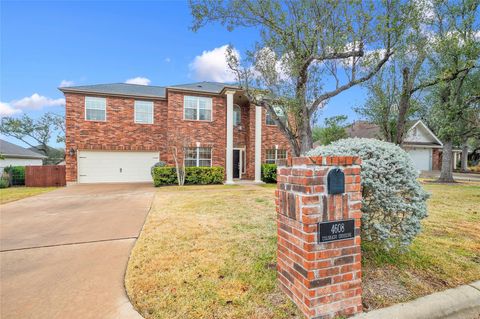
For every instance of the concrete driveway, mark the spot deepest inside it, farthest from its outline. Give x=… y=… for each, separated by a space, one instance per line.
x=64 y=253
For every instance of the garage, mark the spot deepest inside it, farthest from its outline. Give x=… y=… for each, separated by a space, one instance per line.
x=422 y=158
x=115 y=167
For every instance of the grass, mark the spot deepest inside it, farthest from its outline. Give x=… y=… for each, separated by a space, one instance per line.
x=446 y=254
x=209 y=252
x=15 y=193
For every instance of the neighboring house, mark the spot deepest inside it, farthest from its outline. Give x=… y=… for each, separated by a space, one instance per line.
x=420 y=142
x=15 y=155
x=55 y=155
x=117 y=132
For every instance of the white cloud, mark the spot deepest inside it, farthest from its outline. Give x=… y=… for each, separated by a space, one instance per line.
x=65 y=83
x=36 y=102
x=212 y=66
x=138 y=80
x=7 y=110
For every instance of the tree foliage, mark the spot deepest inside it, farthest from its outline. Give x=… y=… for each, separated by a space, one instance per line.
x=36 y=133
x=454 y=111
x=309 y=51
x=332 y=130
x=393 y=201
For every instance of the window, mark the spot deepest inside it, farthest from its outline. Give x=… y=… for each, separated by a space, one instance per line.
x=197 y=108
x=237 y=115
x=95 y=108
x=144 y=112
x=198 y=156
x=268 y=118
x=273 y=155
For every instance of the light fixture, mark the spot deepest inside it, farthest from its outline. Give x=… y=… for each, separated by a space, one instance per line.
x=71 y=152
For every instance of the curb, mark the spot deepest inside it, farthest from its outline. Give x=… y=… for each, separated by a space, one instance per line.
x=458 y=303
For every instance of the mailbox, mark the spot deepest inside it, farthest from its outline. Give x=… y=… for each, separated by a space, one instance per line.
x=336 y=181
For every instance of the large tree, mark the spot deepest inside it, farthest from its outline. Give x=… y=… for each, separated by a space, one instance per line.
x=309 y=51
x=394 y=94
x=455 y=103
x=36 y=133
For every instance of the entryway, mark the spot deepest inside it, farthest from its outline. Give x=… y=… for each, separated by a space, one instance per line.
x=238 y=162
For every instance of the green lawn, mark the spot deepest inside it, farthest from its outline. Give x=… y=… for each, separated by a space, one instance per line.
x=209 y=252
x=15 y=193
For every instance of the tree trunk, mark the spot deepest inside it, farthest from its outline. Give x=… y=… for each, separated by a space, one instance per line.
x=464 y=157
x=446 y=175
x=306 y=141
x=403 y=106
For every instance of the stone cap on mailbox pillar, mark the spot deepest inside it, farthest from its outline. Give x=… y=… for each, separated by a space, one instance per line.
x=318 y=255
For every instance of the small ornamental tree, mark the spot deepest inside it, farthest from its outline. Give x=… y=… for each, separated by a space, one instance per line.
x=393 y=203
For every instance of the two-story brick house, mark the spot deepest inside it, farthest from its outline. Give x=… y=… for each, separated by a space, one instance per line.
x=117 y=132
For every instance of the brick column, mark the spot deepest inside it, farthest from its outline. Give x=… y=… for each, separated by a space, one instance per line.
x=323 y=279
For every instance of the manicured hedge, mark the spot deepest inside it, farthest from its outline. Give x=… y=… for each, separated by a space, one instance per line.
x=269 y=173
x=193 y=175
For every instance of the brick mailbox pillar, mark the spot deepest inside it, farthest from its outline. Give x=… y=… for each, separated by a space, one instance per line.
x=318 y=218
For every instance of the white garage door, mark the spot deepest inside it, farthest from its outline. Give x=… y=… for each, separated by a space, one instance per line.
x=111 y=167
x=422 y=158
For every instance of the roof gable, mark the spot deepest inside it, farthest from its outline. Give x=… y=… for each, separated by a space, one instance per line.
x=419 y=133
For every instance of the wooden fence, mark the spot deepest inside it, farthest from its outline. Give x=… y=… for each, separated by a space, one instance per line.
x=44 y=176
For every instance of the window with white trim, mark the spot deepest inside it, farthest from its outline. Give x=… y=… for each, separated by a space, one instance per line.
x=197 y=108
x=144 y=112
x=198 y=157
x=280 y=113
x=273 y=155
x=237 y=115
x=95 y=108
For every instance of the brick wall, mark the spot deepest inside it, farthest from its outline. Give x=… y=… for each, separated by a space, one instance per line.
x=120 y=133
x=323 y=279
x=436 y=159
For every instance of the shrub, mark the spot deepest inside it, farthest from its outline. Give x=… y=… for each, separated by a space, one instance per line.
x=193 y=175
x=4 y=182
x=17 y=174
x=269 y=173
x=394 y=203
x=204 y=175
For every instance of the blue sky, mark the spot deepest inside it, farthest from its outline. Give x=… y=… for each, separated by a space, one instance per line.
x=89 y=42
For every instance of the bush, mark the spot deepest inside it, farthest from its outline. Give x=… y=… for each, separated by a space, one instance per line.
x=394 y=202
x=17 y=174
x=193 y=175
x=269 y=173
x=4 y=182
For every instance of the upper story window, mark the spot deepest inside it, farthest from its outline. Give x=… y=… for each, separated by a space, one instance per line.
x=198 y=156
x=273 y=155
x=197 y=108
x=268 y=118
x=237 y=115
x=144 y=112
x=95 y=108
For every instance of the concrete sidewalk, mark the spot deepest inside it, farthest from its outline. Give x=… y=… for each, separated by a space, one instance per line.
x=466 y=177
x=458 y=303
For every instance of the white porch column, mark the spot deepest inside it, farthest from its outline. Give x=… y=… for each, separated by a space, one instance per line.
x=258 y=144
x=229 y=155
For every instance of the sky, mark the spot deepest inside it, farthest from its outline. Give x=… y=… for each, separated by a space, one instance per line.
x=47 y=44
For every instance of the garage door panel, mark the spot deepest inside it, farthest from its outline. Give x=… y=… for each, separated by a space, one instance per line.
x=421 y=158
x=108 y=167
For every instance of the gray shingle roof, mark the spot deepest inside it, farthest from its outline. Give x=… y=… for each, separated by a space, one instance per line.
x=119 y=89
x=207 y=87
x=8 y=149
x=148 y=90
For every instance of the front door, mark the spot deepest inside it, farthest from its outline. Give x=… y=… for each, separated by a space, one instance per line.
x=236 y=163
